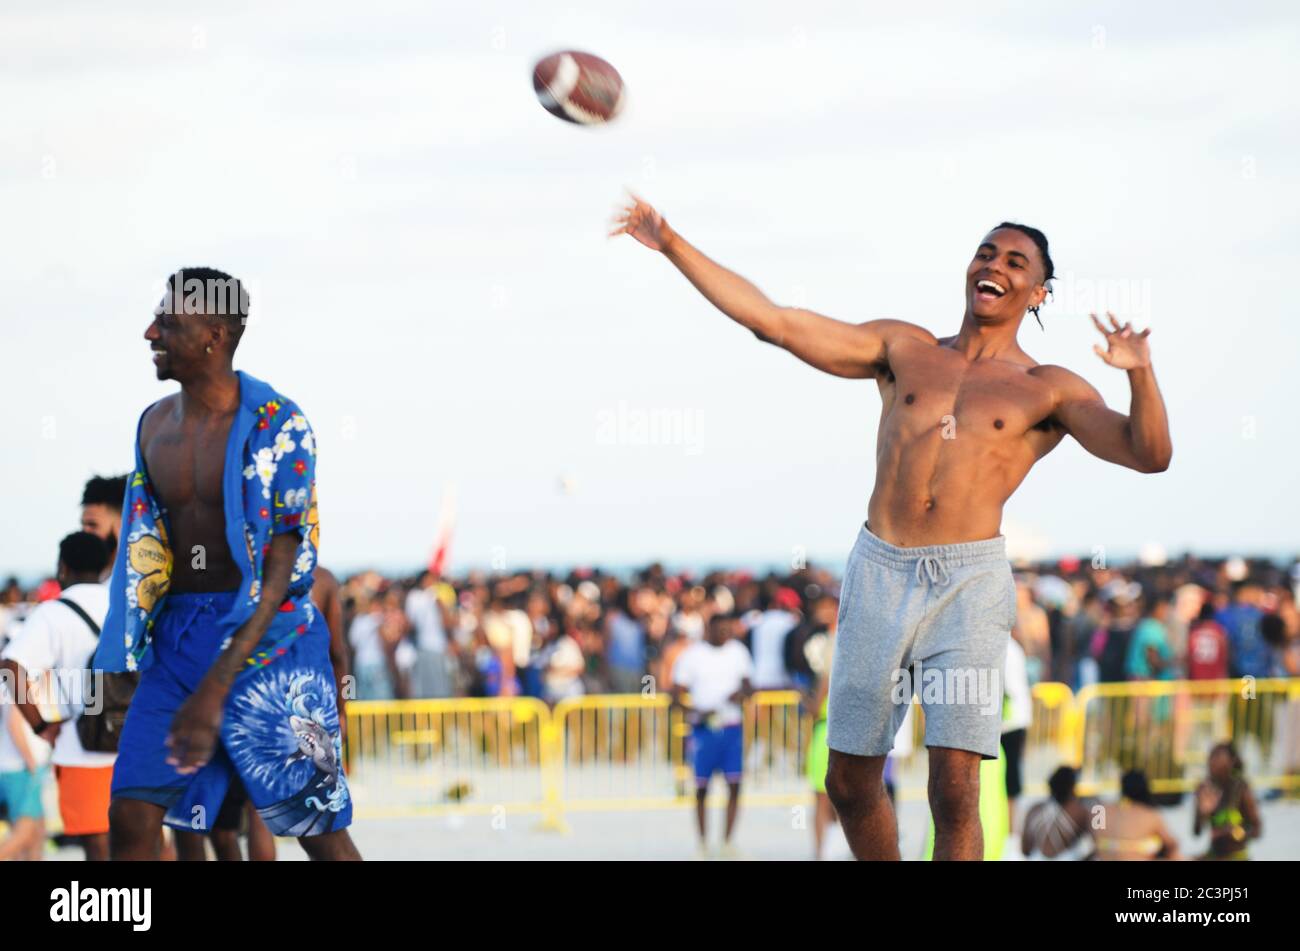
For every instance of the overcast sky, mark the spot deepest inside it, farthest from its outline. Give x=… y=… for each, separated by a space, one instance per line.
x=431 y=282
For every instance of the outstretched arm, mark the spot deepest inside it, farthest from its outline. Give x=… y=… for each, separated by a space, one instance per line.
x=1139 y=440
x=855 y=351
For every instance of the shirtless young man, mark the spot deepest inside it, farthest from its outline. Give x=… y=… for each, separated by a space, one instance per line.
x=963 y=420
x=210 y=598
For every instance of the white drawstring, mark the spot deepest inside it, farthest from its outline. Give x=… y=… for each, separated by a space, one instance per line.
x=931 y=567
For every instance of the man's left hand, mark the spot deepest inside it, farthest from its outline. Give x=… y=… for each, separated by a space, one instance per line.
x=194 y=732
x=1126 y=349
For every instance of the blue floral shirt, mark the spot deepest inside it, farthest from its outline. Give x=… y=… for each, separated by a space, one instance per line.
x=268 y=487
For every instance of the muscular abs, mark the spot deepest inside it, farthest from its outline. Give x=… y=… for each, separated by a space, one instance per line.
x=956 y=437
x=185 y=459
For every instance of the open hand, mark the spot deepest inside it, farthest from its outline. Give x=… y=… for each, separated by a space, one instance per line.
x=642 y=222
x=1126 y=349
x=193 y=736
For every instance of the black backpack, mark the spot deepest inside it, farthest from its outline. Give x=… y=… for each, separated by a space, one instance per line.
x=100 y=731
x=1114 y=655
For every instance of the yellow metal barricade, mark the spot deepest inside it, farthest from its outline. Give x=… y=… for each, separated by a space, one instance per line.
x=628 y=751
x=470 y=755
x=1166 y=728
x=1049 y=743
x=1055 y=720
x=777 y=734
x=619 y=751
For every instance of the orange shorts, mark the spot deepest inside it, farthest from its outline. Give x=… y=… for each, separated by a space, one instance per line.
x=83 y=798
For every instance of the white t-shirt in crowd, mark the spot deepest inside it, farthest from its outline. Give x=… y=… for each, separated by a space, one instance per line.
x=11 y=621
x=54 y=638
x=691 y=625
x=767 y=635
x=521 y=633
x=422 y=611
x=367 y=647
x=712 y=675
x=561 y=681
x=1015 y=685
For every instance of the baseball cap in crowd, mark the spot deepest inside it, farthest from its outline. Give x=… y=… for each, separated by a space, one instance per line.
x=724 y=599
x=1120 y=591
x=47 y=590
x=787 y=599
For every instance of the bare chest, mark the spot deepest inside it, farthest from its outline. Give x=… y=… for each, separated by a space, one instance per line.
x=186 y=461
x=990 y=400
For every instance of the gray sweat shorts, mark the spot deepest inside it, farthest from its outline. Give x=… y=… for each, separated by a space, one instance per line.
x=933 y=622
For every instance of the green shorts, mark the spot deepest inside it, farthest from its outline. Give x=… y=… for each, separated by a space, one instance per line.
x=818 y=756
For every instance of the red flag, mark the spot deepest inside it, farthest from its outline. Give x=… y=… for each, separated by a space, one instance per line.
x=441 y=557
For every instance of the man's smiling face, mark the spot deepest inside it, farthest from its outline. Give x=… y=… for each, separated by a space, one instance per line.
x=1005 y=278
x=178 y=337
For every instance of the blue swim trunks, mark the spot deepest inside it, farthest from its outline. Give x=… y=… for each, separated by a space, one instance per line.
x=279 y=736
x=20 y=793
x=716 y=750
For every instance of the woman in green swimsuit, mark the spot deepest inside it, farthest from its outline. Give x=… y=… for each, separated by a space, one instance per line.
x=1225 y=803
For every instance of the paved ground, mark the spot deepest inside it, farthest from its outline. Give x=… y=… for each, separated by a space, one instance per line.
x=763 y=833
x=768 y=833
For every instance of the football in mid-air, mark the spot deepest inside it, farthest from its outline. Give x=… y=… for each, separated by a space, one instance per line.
x=578 y=87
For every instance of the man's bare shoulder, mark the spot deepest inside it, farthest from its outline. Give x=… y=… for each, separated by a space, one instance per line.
x=892 y=330
x=1066 y=383
x=324 y=580
x=154 y=415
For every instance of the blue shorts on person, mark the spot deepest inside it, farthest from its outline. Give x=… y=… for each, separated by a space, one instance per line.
x=20 y=793
x=279 y=735
x=715 y=750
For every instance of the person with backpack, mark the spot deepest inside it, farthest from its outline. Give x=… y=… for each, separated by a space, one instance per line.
x=59 y=638
x=1249 y=654
x=1110 y=645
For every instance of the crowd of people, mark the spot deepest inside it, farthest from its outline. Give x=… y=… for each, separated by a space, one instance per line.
x=556 y=635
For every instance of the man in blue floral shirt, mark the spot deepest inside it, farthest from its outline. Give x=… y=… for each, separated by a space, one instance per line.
x=210 y=598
